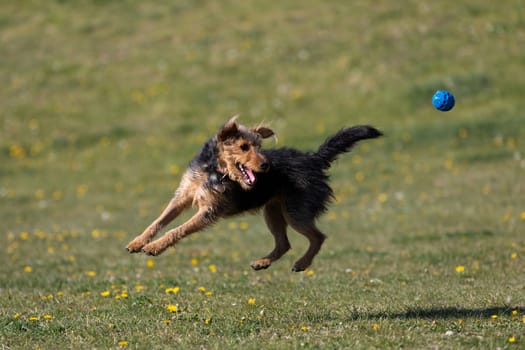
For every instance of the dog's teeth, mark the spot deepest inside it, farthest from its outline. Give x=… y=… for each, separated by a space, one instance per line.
x=247 y=174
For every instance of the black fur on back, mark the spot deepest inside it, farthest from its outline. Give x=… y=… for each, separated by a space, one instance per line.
x=298 y=179
x=206 y=159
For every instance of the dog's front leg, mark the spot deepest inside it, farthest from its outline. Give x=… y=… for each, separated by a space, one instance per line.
x=200 y=220
x=174 y=208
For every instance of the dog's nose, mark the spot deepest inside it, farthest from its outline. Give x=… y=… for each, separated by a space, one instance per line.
x=264 y=166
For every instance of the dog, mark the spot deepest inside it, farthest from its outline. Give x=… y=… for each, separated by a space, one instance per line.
x=232 y=175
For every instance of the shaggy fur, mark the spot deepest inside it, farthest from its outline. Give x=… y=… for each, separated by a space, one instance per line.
x=232 y=175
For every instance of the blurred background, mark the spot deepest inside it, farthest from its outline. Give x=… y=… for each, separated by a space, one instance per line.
x=107 y=102
x=104 y=103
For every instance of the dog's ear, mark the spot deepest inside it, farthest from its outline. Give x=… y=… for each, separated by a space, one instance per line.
x=263 y=131
x=229 y=129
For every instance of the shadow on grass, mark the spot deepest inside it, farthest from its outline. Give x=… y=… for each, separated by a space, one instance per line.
x=441 y=313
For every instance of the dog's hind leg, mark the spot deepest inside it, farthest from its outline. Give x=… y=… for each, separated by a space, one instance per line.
x=180 y=201
x=200 y=220
x=316 y=239
x=277 y=225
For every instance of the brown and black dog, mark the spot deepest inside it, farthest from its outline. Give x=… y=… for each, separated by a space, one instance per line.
x=232 y=174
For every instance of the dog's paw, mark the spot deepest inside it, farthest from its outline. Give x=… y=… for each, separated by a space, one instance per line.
x=261 y=264
x=153 y=249
x=136 y=245
x=300 y=266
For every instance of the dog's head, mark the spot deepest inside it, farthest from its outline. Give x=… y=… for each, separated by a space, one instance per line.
x=239 y=152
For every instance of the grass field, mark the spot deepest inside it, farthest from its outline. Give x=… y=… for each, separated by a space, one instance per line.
x=103 y=104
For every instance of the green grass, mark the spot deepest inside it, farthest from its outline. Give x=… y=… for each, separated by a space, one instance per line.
x=104 y=103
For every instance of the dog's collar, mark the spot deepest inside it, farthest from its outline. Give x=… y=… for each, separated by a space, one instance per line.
x=222 y=176
x=218 y=181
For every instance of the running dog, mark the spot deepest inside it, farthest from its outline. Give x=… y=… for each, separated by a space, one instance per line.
x=232 y=175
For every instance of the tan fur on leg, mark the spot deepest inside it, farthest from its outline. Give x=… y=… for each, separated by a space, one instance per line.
x=181 y=201
x=196 y=223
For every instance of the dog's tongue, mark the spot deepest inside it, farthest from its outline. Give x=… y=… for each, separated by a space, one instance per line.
x=250 y=174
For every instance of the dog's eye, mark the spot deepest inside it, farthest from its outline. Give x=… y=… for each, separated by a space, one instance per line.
x=245 y=147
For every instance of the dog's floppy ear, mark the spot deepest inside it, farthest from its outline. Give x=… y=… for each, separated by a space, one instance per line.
x=263 y=131
x=229 y=129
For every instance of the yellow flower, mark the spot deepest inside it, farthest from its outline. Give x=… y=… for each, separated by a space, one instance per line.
x=207 y=321
x=212 y=268
x=382 y=198
x=375 y=326
x=304 y=329
x=40 y=194
x=47 y=317
x=449 y=164
x=514 y=312
x=57 y=195
x=195 y=261
x=174 y=169
x=91 y=273
x=331 y=216
x=251 y=301
x=17 y=315
x=28 y=269
x=104 y=141
x=95 y=233
x=17 y=151
x=514 y=255
x=243 y=225
x=171 y=308
x=494 y=317
x=173 y=290
x=309 y=272
x=150 y=263
x=34 y=318
x=105 y=293
x=460 y=268
x=139 y=287
x=296 y=94
x=522 y=215
x=208 y=293
x=81 y=191
x=122 y=344
x=202 y=289
x=512 y=340
x=463 y=133
x=36 y=148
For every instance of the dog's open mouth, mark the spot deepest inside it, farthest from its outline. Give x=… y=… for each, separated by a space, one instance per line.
x=247 y=175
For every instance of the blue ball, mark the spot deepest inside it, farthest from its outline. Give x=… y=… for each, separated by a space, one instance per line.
x=443 y=100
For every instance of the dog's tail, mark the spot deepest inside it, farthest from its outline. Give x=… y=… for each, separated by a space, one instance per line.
x=343 y=141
